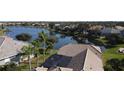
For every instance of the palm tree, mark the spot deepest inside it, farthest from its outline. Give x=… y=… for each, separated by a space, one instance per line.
x=36 y=50
x=50 y=44
x=28 y=51
x=46 y=42
x=43 y=39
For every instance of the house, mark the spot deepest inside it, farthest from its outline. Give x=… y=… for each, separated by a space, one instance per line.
x=76 y=57
x=10 y=49
x=119 y=27
x=121 y=50
x=107 y=31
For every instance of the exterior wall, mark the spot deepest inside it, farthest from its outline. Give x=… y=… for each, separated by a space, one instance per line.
x=24 y=58
x=3 y=62
x=14 y=59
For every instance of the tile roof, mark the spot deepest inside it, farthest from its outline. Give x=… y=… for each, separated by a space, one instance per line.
x=10 y=47
x=72 y=49
x=1 y=40
x=92 y=62
x=77 y=57
x=110 y=30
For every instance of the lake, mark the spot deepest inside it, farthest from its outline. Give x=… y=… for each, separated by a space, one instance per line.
x=33 y=31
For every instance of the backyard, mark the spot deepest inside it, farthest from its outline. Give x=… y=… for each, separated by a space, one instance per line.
x=25 y=66
x=112 y=53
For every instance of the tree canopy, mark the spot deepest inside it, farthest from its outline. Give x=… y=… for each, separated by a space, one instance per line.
x=24 y=37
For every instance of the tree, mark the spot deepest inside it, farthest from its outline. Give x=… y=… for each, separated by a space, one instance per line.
x=114 y=65
x=24 y=37
x=121 y=65
x=50 y=44
x=28 y=51
x=47 y=43
x=114 y=39
x=36 y=49
x=43 y=39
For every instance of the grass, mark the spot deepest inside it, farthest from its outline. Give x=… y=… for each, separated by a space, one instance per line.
x=2 y=32
x=25 y=66
x=101 y=41
x=112 y=52
x=109 y=53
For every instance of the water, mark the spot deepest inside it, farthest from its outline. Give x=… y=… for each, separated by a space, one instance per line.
x=33 y=31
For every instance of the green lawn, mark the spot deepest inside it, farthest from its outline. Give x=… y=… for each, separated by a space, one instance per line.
x=2 y=32
x=113 y=53
x=25 y=66
x=101 y=41
x=109 y=53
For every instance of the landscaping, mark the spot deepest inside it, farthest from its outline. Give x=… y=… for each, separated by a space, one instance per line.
x=25 y=66
x=112 y=53
x=44 y=42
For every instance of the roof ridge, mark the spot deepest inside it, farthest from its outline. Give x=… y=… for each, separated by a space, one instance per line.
x=95 y=48
x=2 y=42
x=85 y=57
x=88 y=56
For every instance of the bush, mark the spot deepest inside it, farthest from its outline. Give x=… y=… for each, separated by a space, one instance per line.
x=114 y=65
x=114 y=39
x=10 y=67
x=24 y=37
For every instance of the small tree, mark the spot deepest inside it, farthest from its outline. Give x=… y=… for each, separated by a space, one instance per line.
x=36 y=49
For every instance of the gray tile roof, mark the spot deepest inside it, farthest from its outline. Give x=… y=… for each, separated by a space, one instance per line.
x=77 y=57
x=92 y=62
x=10 y=47
x=1 y=40
x=110 y=31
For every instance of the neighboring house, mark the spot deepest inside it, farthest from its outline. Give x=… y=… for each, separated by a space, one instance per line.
x=119 y=27
x=121 y=50
x=76 y=57
x=107 y=31
x=10 y=49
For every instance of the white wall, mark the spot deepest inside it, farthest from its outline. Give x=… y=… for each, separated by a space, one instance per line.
x=11 y=59
x=3 y=62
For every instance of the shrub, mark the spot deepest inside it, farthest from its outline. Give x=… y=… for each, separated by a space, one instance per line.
x=10 y=67
x=114 y=39
x=114 y=65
